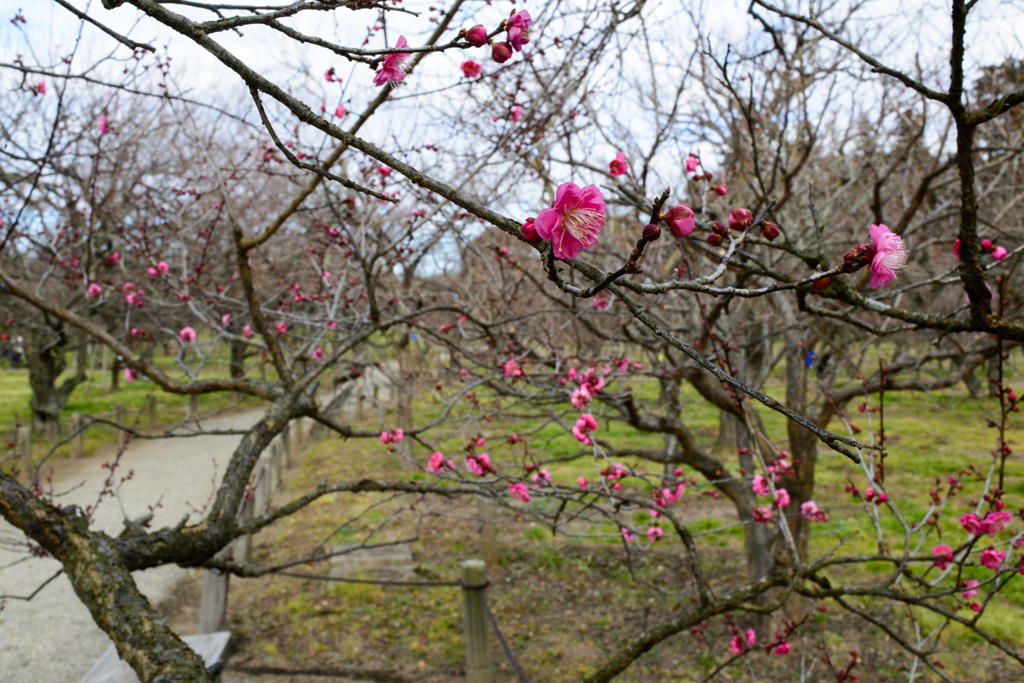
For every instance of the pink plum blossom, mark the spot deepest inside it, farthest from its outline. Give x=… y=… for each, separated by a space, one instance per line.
x=281 y=328
x=101 y=124
x=129 y=375
x=890 y=255
x=436 y=461
x=247 y=331
x=340 y=112
x=385 y=437
x=470 y=69
x=318 y=355
x=519 y=492
x=618 y=166
x=517 y=113
x=574 y=221
x=760 y=485
x=720 y=190
x=691 y=164
x=480 y=464
x=41 y=88
x=225 y=319
x=399 y=434
x=162 y=267
x=655 y=533
x=95 y=290
x=582 y=482
x=679 y=220
x=762 y=515
x=781 y=497
x=584 y=426
x=992 y=559
x=782 y=648
x=943 y=555
x=519 y=29
x=627 y=535
x=391 y=68
x=999 y=253
x=187 y=334
x=970 y=589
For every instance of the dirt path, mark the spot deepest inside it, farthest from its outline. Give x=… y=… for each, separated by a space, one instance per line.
x=53 y=637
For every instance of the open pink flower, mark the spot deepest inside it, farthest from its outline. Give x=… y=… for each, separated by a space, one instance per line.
x=436 y=461
x=943 y=555
x=618 y=166
x=584 y=426
x=781 y=497
x=890 y=255
x=519 y=30
x=574 y=221
x=129 y=375
x=655 y=533
x=101 y=124
x=480 y=465
x=470 y=69
x=993 y=559
x=760 y=485
x=391 y=68
x=187 y=334
x=970 y=589
x=95 y=290
x=517 y=113
x=162 y=267
x=691 y=164
x=782 y=648
x=318 y=355
x=247 y=331
x=340 y=112
x=519 y=492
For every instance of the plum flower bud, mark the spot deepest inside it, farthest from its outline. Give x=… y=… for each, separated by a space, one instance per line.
x=477 y=36
x=691 y=164
x=714 y=239
x=651 y=232
x=859 y=256
x=999 y=253
x=187 y=334
x=720 y=190
x=819 y=286
x=986 y=246
x=740 y=219
x=530 y=232
x=720 y=228
x=769 y=231
x=679 y=220
x=501 y=52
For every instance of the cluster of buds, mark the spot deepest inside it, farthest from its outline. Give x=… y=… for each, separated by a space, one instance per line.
x=517 y=27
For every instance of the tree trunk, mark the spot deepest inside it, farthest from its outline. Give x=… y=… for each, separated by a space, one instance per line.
x=44 y=355
x=237 y=364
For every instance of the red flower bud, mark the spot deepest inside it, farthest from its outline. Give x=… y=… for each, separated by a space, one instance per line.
x=530 y=232
x=719 y=228
x=819 y=286
x=501 y=52
x=714 y=239
x=720 y=190
x=679 y=220
x=986 y=246
x=740 y=219
x=769 y=231
x=859 y=256
x=477 y=36
x=651 y=232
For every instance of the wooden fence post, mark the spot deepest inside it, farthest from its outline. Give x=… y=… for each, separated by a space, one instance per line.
x=474 y=623
x=213 y=608
x=78 y=435
x=488 y=532
x=23 y=461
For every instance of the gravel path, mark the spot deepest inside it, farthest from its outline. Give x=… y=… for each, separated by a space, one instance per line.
x=53 y=637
